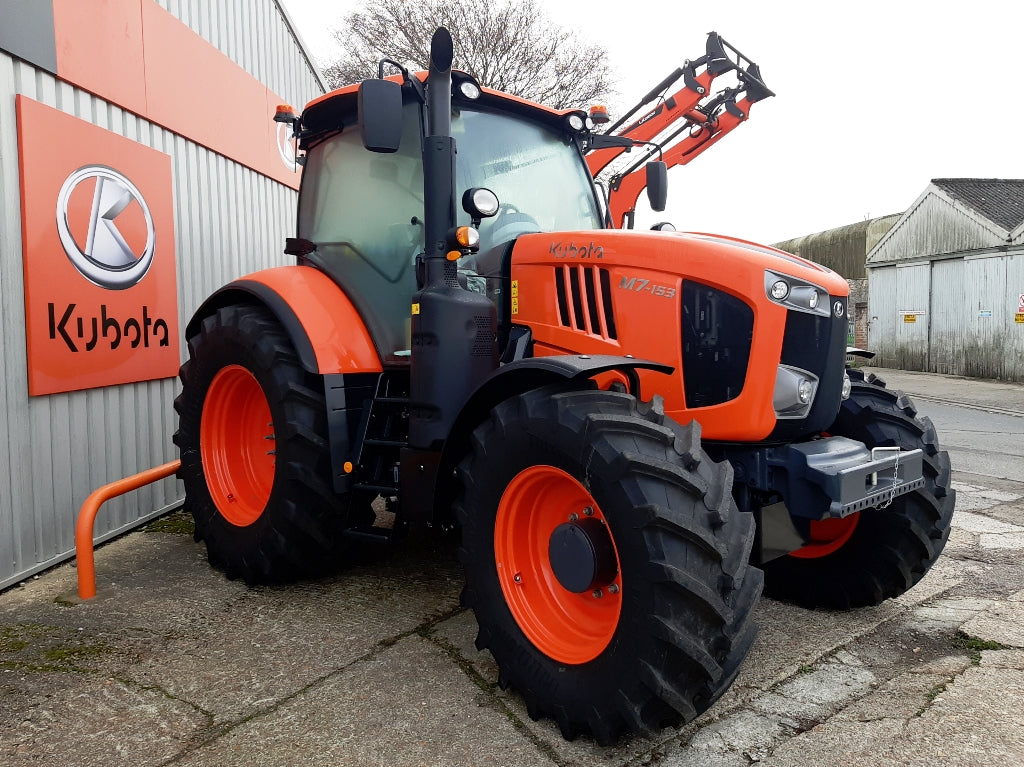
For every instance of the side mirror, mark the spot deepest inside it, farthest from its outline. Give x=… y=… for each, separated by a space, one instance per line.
x=380 y=115
x=657 y=184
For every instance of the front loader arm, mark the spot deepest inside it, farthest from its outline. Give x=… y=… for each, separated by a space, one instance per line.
x=667 y=111
x=679 y=127
x=625 y=187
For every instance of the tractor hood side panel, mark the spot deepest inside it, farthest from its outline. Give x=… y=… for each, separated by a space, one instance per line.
x=629 y=292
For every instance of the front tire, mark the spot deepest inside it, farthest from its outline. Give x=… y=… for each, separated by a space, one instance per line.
x=254 y=452
x=605 y=561
x=882 y=552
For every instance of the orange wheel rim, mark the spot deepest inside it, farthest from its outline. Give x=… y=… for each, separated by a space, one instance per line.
x=566 y=626
x=827 y=536
x=236 y=444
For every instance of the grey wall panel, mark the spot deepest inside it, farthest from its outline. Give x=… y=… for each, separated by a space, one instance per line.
x=881 y=299
x=10 y=270
x=57 y=449
x=31 y=38
x=1014 y=336
x=894 y=292
x=913 y=288
x=970 y=326
x=951 y=320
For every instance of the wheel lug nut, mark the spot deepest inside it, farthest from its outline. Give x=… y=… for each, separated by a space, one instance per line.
x=573 y=517
x=518 y=577
x=613 y=588
x=597 y=594
x=589 y=511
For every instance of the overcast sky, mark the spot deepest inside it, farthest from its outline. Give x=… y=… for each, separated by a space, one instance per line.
x=873 y=101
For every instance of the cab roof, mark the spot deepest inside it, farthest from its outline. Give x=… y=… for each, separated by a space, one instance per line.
x=337 y=109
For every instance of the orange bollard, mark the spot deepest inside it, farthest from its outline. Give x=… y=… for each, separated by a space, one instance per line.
x=87 y=520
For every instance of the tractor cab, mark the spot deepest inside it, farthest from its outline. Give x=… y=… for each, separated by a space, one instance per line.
x=361 y=211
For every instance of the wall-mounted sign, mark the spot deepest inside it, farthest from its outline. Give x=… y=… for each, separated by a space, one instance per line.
x=984 y=312
x=1019 y=317
x=911 y=315
x=101 y=299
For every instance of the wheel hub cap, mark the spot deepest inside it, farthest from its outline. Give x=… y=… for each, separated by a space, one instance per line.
x=582 y=555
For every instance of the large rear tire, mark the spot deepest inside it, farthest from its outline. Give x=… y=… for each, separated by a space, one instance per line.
x=882 y=552
x=605 y=561
x=255 y=457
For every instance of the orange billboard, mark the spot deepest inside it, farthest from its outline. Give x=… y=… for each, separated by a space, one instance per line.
x=97 y=221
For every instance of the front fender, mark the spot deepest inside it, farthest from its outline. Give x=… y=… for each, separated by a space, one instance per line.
x=327 y=331
x=514 y=378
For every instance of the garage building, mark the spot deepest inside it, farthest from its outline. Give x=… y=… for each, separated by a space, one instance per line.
x=947 y=282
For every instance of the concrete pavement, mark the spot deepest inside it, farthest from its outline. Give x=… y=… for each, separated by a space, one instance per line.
x=174 y=664
x=998 y=396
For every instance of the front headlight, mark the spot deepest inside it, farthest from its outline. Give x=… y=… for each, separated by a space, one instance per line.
x=794 y=392
x=796 y=294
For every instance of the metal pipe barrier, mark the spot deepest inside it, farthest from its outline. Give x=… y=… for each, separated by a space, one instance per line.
x=87 y=520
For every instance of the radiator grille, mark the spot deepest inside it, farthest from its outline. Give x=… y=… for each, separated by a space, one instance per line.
x=584 y=299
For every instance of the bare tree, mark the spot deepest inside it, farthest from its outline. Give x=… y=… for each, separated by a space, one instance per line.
x=506 y=44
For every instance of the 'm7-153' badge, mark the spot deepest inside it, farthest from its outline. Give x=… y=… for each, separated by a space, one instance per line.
x=646 y=286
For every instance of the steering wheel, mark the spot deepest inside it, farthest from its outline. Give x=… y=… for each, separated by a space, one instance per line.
x=510 y=223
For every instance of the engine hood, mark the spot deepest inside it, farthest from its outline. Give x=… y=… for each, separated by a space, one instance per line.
x=681 y=253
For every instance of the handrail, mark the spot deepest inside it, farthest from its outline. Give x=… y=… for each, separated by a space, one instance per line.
x=87 y=520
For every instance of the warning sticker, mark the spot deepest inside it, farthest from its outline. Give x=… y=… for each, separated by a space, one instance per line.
x=910 y=318
x=1019 y=317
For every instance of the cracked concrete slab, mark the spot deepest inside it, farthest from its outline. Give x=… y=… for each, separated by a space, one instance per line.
x=972 y=719
x=900 y=698
x=1002 y=623
x=407 y=705
x=948 y=613
x=738 y=739
x=82 y=722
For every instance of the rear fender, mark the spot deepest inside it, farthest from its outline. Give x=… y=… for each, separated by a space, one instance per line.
x=326 y=329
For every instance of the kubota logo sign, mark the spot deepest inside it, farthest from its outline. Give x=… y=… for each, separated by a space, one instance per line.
x=101 y=299
x=101 y=251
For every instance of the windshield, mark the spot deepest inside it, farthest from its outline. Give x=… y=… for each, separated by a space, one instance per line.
x=539 y=176
x=364 y=210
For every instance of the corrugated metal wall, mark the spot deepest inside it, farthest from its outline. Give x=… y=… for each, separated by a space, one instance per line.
x=900 y=313
x=969 y=328
x=229 y=221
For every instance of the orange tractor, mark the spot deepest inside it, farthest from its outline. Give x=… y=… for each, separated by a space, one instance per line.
x=631 y=430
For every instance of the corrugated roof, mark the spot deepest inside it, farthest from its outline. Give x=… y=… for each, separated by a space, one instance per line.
x=1001 y=200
